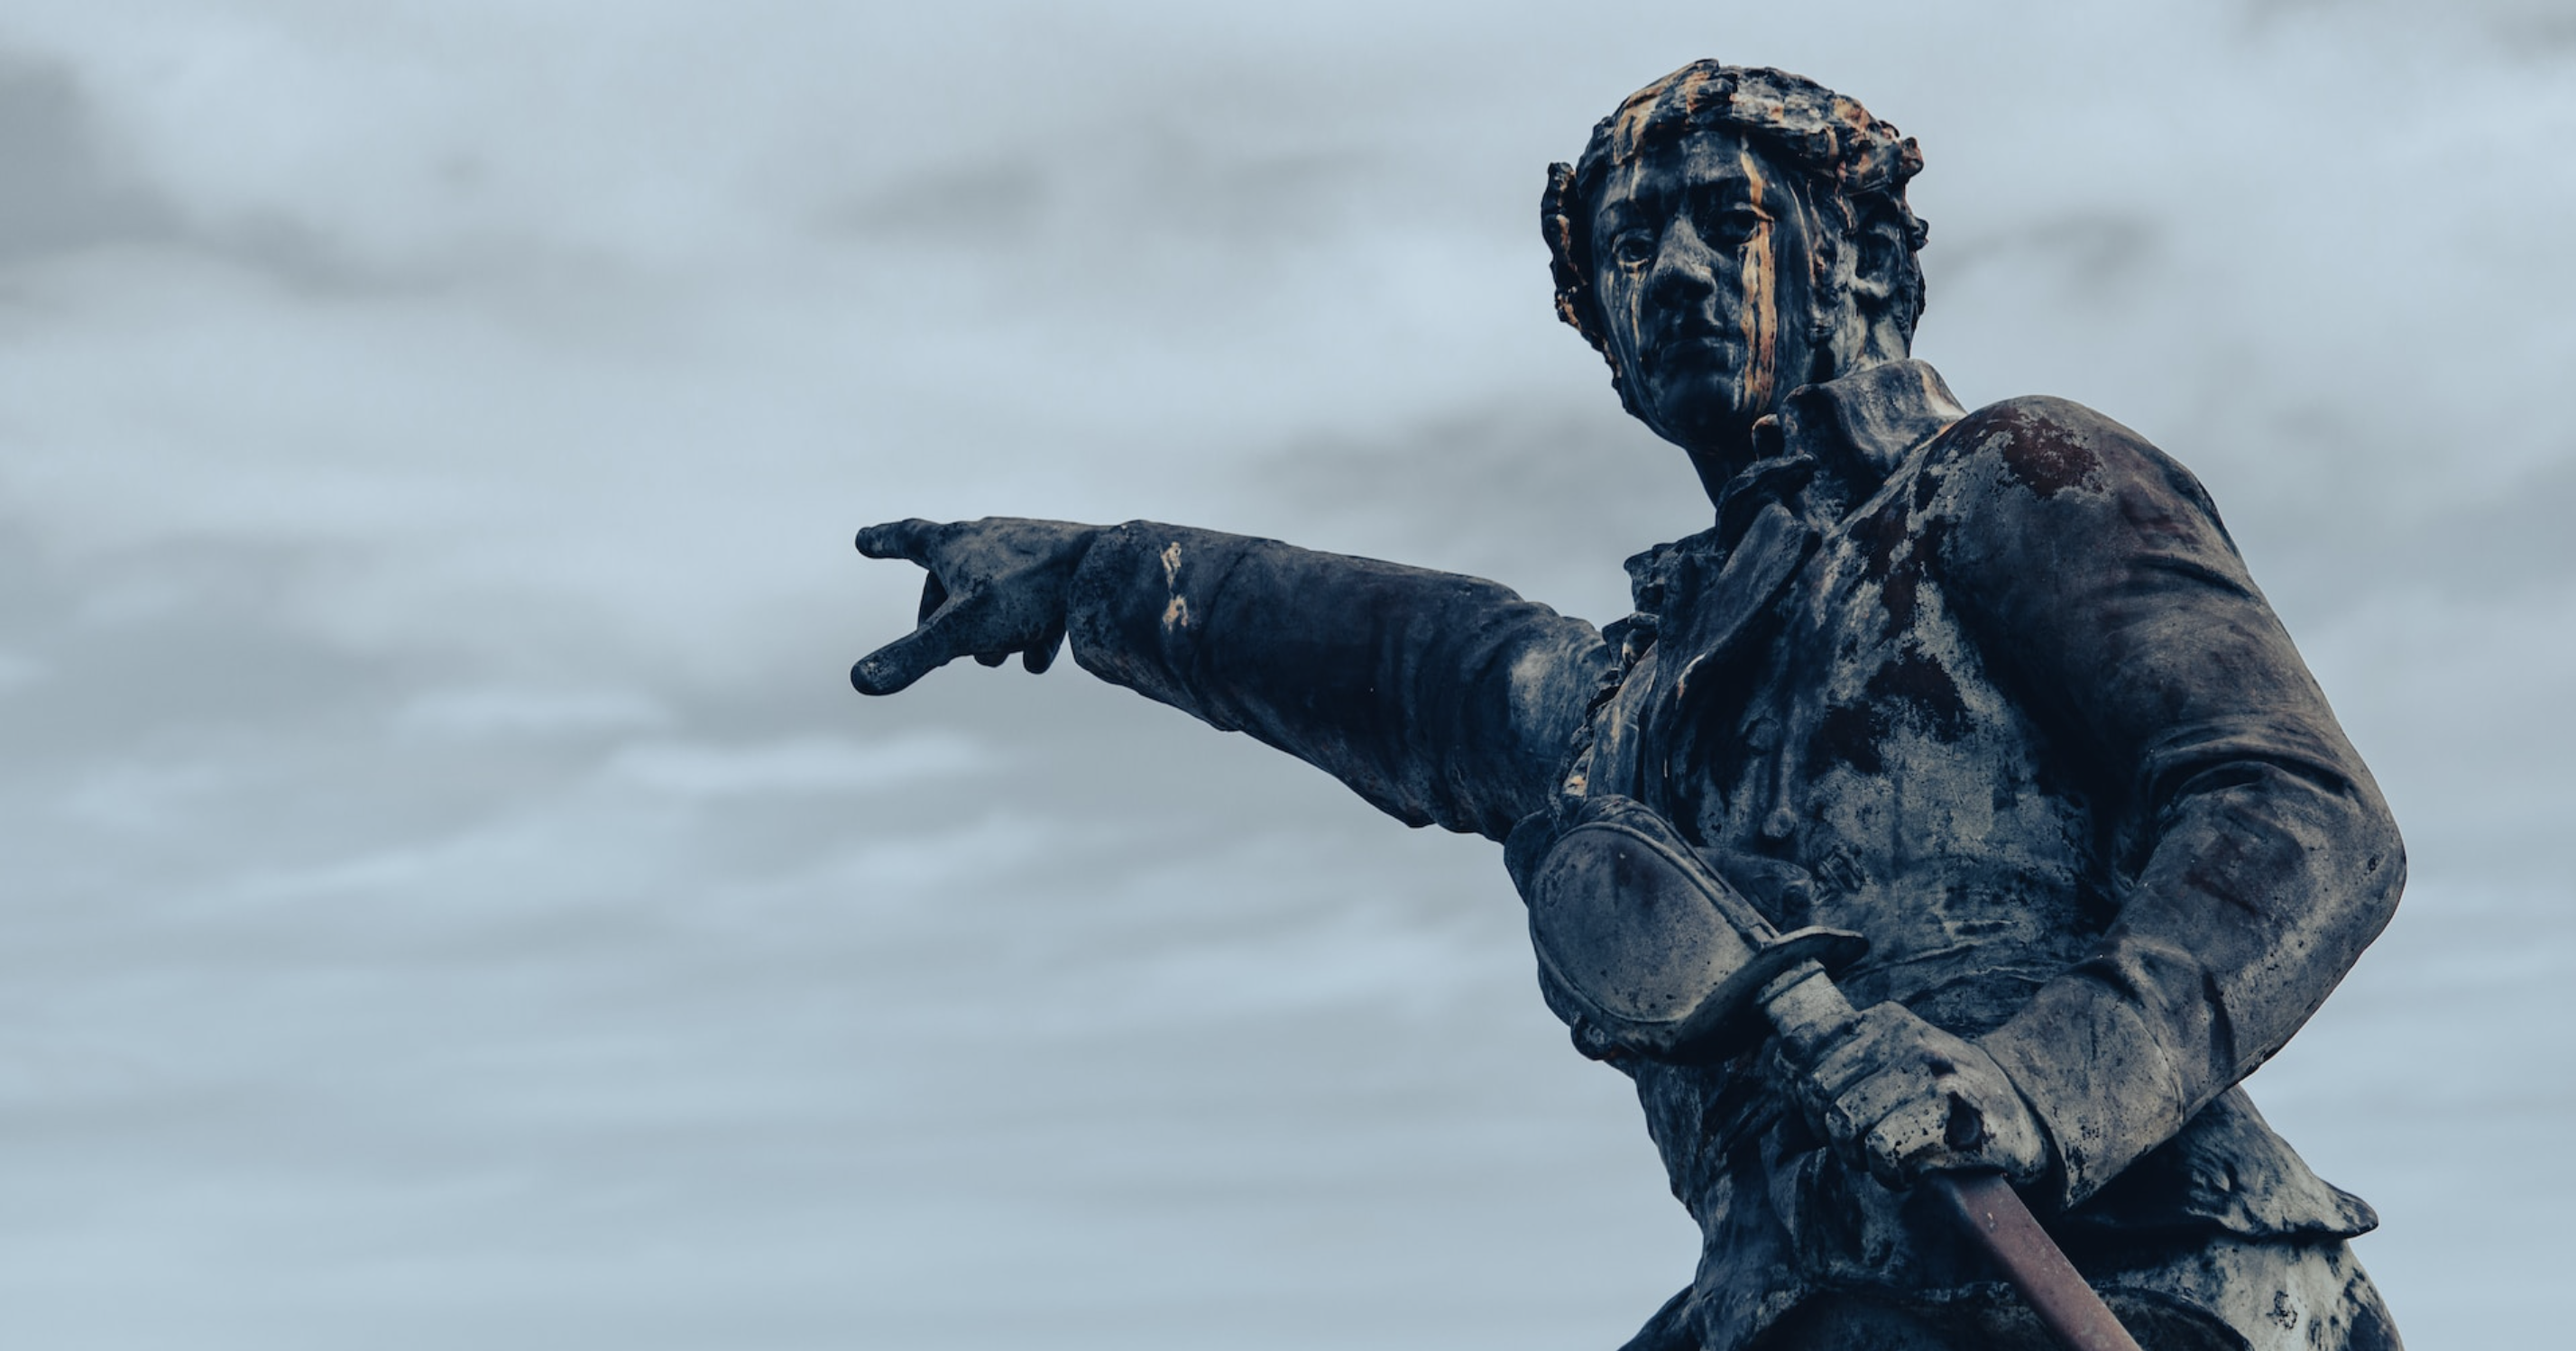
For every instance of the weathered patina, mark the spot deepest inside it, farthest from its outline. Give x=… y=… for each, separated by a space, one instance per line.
x=1991 y=689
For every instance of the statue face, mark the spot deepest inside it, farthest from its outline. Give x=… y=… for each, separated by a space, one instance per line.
x=1701 y=256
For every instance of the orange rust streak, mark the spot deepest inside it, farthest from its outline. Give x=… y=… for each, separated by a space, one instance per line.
x=1761 y=308
x=1631 y=126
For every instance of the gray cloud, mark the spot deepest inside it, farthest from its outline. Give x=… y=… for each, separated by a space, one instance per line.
x=1548 y=498
x=64 y=187
x=71 y=188
x=2096 y=253
x=984 y=205
x=2519 y=24
x=2508 y=548
x=455 y=899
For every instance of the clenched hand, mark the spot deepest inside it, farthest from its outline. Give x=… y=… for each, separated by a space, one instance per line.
x=1903 y=1099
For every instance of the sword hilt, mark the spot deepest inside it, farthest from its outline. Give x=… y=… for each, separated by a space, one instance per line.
x=1810 y=1014
x=1660 y=955
x=1808 y=1011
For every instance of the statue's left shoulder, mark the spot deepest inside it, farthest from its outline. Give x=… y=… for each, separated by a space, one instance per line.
x=2054 y=466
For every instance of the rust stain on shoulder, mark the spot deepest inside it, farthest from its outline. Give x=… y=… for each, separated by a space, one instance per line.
x=2043 y=454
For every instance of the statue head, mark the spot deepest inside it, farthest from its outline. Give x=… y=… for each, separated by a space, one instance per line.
x=1728 y=235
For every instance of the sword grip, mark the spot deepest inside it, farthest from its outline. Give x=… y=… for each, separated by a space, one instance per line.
x=1807 y=1010
x=1994 y=1217
x=1811 y=1014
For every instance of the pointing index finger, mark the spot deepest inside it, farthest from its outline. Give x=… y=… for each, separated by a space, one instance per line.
x=907 y=659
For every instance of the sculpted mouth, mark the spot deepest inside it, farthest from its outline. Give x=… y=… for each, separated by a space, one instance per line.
x=1699 y=348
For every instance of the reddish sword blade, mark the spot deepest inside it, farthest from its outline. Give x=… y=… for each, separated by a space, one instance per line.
x=1994 y=1216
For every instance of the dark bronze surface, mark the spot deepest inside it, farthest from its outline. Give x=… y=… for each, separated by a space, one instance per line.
x=1992 y=690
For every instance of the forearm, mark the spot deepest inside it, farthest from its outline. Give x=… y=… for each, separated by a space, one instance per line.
x=2265 y=886
x=2258 y=857
x=1437 y=697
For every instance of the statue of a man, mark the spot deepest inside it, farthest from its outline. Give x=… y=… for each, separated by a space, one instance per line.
x=1992 y=690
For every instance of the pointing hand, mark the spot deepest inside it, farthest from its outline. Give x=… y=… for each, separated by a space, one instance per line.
x=996 y=586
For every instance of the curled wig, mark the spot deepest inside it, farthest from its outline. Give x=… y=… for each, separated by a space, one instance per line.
x=1853 y=170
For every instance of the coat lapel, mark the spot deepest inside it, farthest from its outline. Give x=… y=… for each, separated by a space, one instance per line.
x=1712 y=610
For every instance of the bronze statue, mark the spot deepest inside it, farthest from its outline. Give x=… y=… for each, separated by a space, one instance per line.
x=1980 y=711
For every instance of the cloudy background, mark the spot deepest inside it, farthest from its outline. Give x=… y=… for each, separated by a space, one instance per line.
x=453 y=899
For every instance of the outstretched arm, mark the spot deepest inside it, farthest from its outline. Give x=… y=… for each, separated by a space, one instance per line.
x=1437 y=697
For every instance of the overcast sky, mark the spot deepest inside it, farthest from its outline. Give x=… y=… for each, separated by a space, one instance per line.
x=455 y=901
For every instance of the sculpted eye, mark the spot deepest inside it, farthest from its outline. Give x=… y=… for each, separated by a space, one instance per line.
x=1632 y=248
x=1736 y=224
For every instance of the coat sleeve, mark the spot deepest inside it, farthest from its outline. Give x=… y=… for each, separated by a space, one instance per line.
x=1437 y=697
x=2261 y=858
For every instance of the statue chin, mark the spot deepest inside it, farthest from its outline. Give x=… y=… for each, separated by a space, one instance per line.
x=1698 y=402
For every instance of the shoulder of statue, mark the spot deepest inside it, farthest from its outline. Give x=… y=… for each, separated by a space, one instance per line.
x=2042 y=454
x=2039 y=497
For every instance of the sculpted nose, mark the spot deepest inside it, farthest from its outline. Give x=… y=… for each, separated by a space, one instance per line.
x=1685 y=267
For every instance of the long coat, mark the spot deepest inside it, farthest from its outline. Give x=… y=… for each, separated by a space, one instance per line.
x=1993 y=690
